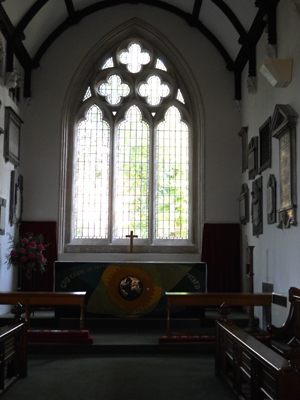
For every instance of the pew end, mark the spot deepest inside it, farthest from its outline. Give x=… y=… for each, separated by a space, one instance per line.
x=285 y=340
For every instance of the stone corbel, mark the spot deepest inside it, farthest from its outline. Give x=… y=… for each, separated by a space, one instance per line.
x=2 y=52
x=11 y=79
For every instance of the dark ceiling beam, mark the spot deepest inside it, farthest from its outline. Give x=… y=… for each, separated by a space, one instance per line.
x=270 y=7
x=196 y=10
x=14 y=46
x=70 y=7
x=30 y=14
x=78 y=15
x=232 y=18
x=266 y=15
x=253 y=37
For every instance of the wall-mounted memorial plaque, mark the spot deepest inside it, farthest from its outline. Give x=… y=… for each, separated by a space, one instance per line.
x=16 y=198
x=2 y=215
x=265 y=146
x=283 y=128
x=256 y=207
x=244 y=204
x=271 y=199
x=243 y=133
x=253 y=157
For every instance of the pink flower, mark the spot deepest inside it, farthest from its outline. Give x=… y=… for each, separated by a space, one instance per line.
x=32 y=244
x=23 y=251
x=40 y=247
x=31 y=256
x=13 y=253
x=25 y=241
x=23 y=259
x=40 y=257
x=28 y=247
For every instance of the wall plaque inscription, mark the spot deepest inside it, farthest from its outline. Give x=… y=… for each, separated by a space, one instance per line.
x=244 y=204
x=271 y=199
x=253 y=158
x=256 y=207
x=284 y=129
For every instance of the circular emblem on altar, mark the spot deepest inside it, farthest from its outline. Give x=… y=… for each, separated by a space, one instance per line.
x=130 y=288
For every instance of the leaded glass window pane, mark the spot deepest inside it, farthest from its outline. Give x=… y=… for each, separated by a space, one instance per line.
x=180 y=97
x=172 y=177
x=132 y=176
x=92 y=177
x=88 y=94
x=160 y=65
x=108 y=63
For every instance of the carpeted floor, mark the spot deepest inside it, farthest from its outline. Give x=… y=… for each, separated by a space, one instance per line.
x=70 y=377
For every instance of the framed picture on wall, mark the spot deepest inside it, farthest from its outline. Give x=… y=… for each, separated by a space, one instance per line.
x=253 y=158
x=16 y=198
x=2 y=215
x=244 y=204
x=265 y=148
x=12 y=136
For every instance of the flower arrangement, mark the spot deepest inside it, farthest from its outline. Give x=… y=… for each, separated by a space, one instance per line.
x=27 y=253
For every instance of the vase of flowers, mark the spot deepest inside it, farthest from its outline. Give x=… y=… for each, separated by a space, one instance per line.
x=27 y=254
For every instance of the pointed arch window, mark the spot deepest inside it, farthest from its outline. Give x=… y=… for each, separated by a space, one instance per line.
x=133 y=155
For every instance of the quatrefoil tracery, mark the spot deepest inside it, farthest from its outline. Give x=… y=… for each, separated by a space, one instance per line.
x=154 y=90
x=134 y=58
x=114 y=89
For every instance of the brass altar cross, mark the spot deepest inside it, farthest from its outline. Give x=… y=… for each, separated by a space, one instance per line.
x=131 y=236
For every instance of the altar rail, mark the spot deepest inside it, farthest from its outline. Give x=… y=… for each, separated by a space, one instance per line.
x=215 y=300
x=13 y=354
x=253 y=370
x=28 y=299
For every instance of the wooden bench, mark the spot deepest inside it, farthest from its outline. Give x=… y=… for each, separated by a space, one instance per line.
x=28 y=299
x=214 y=300
x=286 y=338
x=13 y=351
x=253 y=370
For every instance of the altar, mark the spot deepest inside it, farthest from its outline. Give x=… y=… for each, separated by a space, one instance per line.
x=128 y=289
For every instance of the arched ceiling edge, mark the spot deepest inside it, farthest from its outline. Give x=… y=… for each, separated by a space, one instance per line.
x=266 y=8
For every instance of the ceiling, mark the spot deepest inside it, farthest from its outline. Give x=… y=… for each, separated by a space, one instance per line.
x=233 y=26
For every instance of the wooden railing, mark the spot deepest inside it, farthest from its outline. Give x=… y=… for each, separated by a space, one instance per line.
x=28 y=299
x=13 y=351
x=215 y=300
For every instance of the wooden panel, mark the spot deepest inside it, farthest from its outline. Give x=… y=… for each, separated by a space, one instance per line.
x=13 y=354
x=253 y=370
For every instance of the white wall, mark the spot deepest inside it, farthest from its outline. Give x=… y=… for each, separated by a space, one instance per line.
x=276 y=252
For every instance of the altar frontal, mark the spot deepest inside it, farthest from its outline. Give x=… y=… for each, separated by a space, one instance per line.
x=128 y=289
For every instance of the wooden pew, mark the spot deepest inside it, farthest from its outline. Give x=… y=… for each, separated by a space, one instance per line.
x=286 y=338
x=253 y=370
x=28 y=299
x=214 y=300
x=13 y=351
